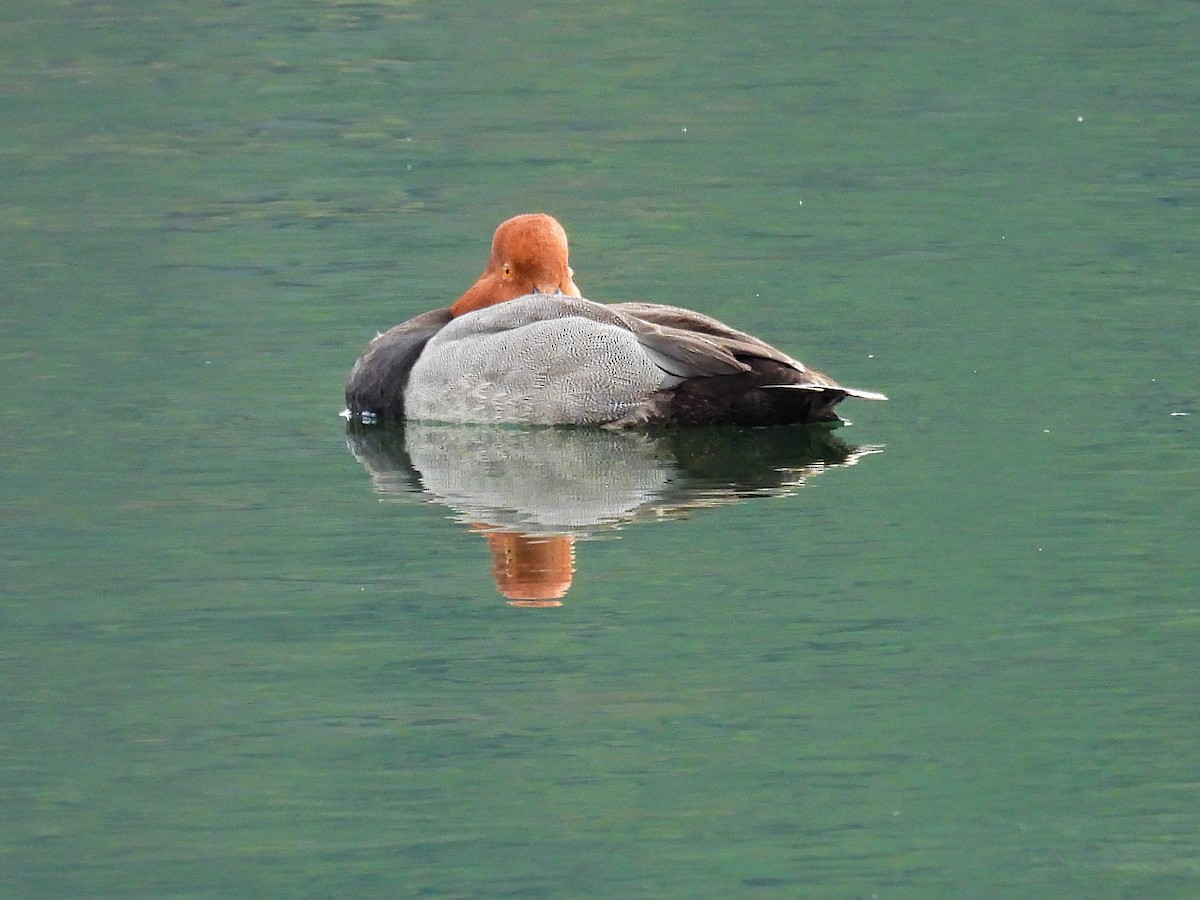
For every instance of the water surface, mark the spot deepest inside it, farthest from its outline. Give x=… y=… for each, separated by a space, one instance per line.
x=234 y=666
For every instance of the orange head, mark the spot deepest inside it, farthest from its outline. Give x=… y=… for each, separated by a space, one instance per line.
x=532 y=571
x=529 y=255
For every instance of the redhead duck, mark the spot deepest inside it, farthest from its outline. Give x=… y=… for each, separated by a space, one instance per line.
x=523 y=346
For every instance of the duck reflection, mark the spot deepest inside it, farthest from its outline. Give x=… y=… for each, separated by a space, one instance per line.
x=532 y=492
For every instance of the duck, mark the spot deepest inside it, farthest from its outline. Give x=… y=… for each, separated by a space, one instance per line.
x=523 y=346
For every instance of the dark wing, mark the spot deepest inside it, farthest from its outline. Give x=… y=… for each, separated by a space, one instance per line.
x=676 y=321
x=684 y=326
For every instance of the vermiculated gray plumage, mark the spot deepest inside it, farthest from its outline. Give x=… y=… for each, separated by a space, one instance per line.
x=553 y=359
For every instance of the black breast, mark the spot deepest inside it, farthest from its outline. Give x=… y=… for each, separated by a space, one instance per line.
x=377 y=381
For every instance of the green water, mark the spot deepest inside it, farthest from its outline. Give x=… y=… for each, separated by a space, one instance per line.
x=236 y=663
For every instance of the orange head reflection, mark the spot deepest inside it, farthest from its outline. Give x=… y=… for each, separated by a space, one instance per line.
x=532 y=571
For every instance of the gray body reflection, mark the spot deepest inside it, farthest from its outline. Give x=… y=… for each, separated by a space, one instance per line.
x=532 y=491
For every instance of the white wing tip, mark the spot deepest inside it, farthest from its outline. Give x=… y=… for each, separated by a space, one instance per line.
x=864 y=395
x=848 y=391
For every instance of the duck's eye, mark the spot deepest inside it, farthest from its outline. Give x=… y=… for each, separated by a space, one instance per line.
x=507 y=270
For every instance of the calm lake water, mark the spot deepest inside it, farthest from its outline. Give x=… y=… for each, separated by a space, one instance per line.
x=248 y=654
